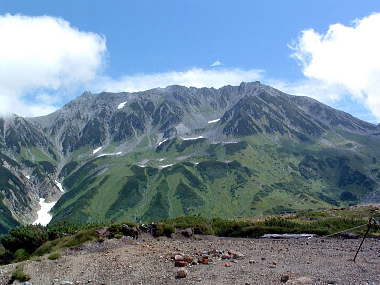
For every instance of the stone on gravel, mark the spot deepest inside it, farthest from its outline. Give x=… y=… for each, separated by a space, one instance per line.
x=180 y=263
x=179 y=257
x=182 y=273
x=187 y=232
x=203 y=260
x=235 y=254
x=188 y=259
x=226 y=256
x=284 y=278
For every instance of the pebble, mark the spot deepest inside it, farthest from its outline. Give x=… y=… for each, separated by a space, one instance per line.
x=182 y=273
x=284 y=278
x=235 y=254
x=179 y=257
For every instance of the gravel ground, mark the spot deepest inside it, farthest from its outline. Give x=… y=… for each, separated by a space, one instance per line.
x=265 y=261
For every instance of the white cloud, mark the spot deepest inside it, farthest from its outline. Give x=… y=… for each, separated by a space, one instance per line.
x=216 y=63
x=343 y=61
x=195 y=77
x=43 y=53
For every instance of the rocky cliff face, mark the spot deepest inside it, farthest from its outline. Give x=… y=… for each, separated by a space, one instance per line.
x=310 y=148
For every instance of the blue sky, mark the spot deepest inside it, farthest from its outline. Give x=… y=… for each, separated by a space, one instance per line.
x=153 y=37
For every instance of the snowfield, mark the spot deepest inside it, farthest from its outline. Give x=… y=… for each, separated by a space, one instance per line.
x=107 y=154
x=43 y=214
x=59 y=185
x=189 y=139
x=213 y=121
x=164 y=166
x=97 y=150
x=121 y=105
x=161 y=142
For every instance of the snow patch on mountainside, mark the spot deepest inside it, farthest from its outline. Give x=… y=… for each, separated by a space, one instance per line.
x=44 y=216
x=196 y=138
x=161 y=142
x=213 y=121
x=164 y=166
x=107 y=154
x=59 y=185
x=96 y=150
x=121 y=105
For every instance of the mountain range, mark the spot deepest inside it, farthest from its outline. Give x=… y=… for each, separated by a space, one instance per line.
x=237 y=151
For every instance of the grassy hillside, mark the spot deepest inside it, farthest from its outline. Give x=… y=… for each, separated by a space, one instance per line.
x=254 y=177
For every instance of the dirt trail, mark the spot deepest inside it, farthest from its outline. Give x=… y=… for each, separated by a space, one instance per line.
x=265 y=261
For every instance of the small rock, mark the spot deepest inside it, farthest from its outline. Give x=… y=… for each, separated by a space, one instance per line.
x=178 y=257
x=203 y=260
x=274 y=262
x=226 y=256
x=181 y=273
x=235 y=254
x=227 y=264
x=66 y=283
x=284 y=278
x=180 y=263
x=194 y=262
x=188 y=259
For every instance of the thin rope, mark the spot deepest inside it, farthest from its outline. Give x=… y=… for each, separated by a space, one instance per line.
x=342 y=231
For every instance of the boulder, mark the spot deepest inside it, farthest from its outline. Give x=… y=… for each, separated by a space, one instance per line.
x=187 y=232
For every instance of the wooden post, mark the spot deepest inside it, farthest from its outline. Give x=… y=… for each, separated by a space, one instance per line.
x=364 y=237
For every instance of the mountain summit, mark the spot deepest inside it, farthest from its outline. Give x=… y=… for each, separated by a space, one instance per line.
x=237 y=151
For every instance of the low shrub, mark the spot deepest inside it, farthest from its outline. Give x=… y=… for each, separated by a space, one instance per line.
x=47 y=247
x=198 y=224
x=163 y=230
x=19 y=275
x=21 y=255
x=54 y=256
x=80 y=238
x=228 y=228
x=29 y=237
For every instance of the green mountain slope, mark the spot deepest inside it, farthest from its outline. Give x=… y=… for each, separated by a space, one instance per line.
x=253 y=177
